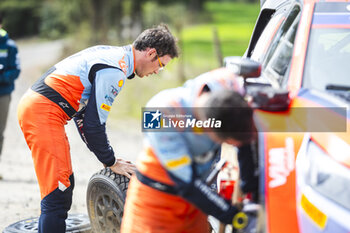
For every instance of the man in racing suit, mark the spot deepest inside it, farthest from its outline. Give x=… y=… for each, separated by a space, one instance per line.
x=168 y=193
x=83 y=86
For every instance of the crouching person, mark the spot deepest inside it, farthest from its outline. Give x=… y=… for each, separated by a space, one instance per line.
x=168 y=193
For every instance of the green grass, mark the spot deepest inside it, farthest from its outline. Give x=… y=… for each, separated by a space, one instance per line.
x=233 y=13
x=234 y=23
x=198 y=47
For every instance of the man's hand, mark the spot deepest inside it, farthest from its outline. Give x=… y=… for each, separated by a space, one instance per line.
x=122 y=167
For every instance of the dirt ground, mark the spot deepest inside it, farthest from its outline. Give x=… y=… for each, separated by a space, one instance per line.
x=19 y=191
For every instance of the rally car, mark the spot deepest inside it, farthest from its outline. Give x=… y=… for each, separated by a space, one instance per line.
x=302 y=98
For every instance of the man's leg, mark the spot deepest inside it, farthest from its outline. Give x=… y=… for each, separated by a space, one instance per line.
x=4 y=107
x=54 y=209
x=42 y=123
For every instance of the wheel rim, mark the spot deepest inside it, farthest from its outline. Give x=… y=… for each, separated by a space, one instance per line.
x=109 y=212
x=30 y=225
x=73 y=222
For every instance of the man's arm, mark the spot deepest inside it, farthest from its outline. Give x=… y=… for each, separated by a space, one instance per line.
x=11 y=71
x=171 y=150
x=92 y=121
x=247 y=167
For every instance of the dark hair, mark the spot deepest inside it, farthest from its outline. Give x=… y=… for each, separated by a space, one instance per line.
x=1 y=17
x=235 y=114
x=159 y=38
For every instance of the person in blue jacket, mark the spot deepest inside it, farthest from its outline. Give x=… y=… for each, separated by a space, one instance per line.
x=9 y=71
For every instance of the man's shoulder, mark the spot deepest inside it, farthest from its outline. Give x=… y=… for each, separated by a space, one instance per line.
x=11 y=43
x=166 y=98
x=102 y=50
x=109 y=53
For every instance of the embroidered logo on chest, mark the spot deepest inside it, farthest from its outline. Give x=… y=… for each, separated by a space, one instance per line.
x=122 y=65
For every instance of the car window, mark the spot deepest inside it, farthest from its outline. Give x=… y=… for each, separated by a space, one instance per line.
x=328 y=53
x=328 y=177
x=266 y=38
x=279 y=54
x=263 y=20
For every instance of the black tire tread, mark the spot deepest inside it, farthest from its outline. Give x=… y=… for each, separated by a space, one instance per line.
x=121 y=181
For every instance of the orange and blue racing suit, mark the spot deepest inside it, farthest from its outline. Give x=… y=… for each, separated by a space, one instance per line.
x=82 y=86
x=169 y=193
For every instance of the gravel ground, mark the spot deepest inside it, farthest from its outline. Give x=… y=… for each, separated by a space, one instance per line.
x=19 y=191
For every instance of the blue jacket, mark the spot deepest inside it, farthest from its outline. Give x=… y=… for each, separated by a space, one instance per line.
x=9 y=63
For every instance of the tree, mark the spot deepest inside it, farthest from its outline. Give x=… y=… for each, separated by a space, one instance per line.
x=21 y=18
x=137 y=17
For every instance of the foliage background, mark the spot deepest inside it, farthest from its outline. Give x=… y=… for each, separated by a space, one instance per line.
x=207 y=31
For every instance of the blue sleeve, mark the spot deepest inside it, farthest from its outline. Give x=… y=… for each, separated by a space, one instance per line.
x=172 y=152
x=12 y=70
x=247 y=168
x=207 y=200
x=92 y=121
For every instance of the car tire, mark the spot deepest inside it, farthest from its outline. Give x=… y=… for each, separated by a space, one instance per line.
x=105 y=198
x=75 y=223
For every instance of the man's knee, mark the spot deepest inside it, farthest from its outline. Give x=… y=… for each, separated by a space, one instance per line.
x=58 y=200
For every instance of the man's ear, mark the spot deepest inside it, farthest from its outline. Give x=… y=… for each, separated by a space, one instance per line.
x=204 y=89
x=151 y=52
